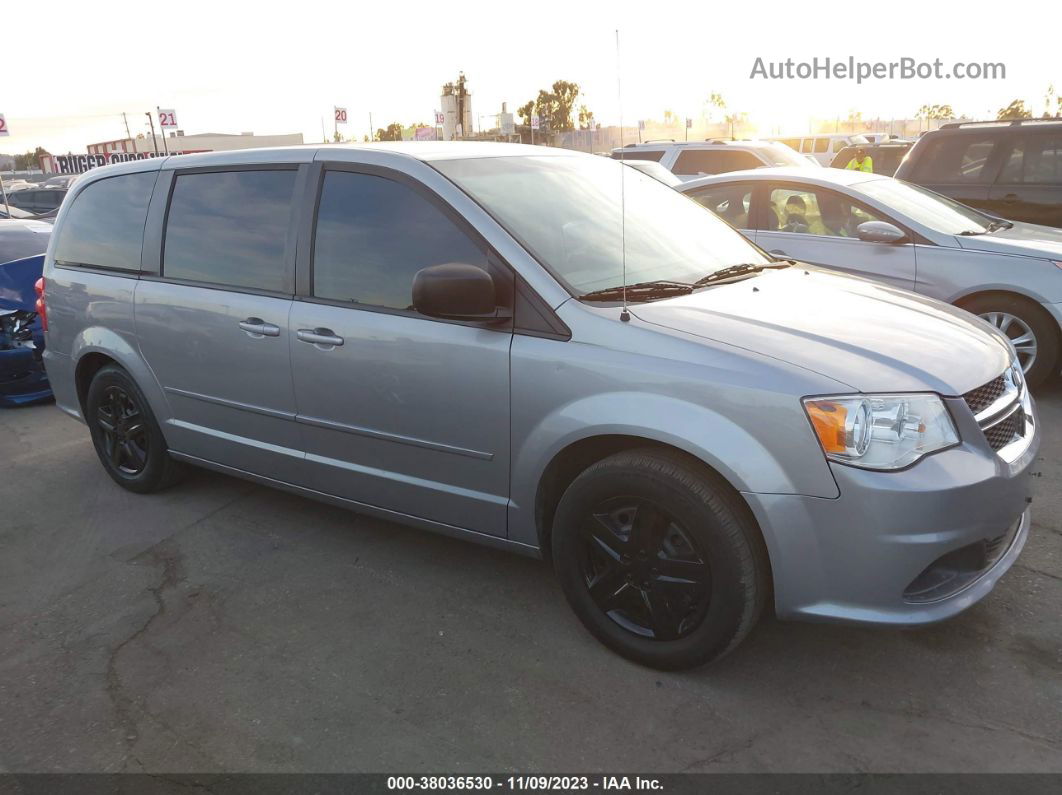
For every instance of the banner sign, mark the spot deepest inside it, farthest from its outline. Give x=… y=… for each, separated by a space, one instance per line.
x=79 y=164
x=424 y=134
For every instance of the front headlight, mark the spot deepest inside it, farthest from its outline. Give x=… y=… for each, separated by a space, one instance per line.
x=880 y=431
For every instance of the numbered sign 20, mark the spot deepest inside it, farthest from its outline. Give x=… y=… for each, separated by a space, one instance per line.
x=3 y=125
x=167 y=118
x=341 y=115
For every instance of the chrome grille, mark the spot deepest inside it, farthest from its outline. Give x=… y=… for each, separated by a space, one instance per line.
x=1002 y=433
x=984 y=396
x=1003 y=410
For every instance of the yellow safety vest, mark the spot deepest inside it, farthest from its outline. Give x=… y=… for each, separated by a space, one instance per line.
x=867 y=165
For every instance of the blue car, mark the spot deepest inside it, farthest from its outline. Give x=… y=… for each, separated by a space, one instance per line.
x=22 y=376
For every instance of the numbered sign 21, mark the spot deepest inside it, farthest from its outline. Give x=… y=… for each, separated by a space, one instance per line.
x=167 y=118
x=3 y=125
x=341 y=115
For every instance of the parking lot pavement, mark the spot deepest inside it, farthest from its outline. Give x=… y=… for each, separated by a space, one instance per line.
x=222 y=626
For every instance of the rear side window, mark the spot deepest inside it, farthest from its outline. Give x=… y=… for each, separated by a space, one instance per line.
x=732 y=203
x=639 y=154
x=954 y=159
x=1034 y=159
x=104 y=228
x=714 y=161
x=230 y=228
x=373 y=235
x=822 y=145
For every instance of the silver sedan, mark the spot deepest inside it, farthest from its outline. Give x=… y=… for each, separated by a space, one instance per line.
x=1008 y=273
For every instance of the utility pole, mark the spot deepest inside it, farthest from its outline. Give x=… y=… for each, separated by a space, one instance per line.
x=126 y=120
x=372 y=132
x=162 y=130
x=154 y=140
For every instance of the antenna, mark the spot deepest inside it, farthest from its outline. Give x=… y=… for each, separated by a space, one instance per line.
x=625 y=314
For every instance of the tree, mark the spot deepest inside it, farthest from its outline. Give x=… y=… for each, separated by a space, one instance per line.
x=393 y=132
x=30 y=160
x=717 y=101
x=526 y=111
x=586 y=118
x=555 y=107
x=1052 y=103
x=1015 y=110
x=935 y=112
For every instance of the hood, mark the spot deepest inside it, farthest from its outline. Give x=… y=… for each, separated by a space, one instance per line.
x=1029 y=240
x=16 y=283
x=872 y=337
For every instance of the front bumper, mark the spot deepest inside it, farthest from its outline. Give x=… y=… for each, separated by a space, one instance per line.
x=22 y=378
x=880 y=552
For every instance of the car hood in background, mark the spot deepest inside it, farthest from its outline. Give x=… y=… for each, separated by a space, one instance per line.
x=869 y=336
x=17 y=279
x=1030 y=240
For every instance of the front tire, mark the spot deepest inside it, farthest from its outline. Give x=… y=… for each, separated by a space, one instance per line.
x=127 y=438
x=659 y=559
x=1031 y=330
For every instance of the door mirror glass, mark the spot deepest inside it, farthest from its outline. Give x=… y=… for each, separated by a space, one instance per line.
x=880 y=232
x=455 y=291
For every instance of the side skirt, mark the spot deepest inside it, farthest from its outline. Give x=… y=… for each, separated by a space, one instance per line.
x=370 y=510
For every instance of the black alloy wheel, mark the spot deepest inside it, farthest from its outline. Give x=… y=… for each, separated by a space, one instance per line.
x=126 y=435
x=125 y=438
x=643 y=570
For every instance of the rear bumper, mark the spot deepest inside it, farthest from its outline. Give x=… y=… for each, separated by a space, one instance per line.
x=60 y=370
x=23 y=379
x=901 y=548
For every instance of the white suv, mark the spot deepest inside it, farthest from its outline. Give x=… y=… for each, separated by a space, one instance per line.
x=691 y=159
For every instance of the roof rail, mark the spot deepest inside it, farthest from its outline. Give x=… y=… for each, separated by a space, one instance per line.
x=954 y=125
x=659 y=141
x=716 y=140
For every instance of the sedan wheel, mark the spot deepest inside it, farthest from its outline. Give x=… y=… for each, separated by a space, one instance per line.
x=1021 y=336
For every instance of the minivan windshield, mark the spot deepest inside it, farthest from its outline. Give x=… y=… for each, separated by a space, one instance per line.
x=930 y=209
x=573 y=213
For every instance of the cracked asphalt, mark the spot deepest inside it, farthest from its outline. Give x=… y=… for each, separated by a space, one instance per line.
x=221 y=626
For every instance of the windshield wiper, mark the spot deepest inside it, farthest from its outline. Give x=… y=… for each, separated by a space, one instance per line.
x=640 y=290
x=1001 y=224
x=737 y=271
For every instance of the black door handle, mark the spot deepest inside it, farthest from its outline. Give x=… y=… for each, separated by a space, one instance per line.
x=1010 y=198
x=778 y=252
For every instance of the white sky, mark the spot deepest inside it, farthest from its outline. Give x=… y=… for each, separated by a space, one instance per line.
x=279 y=67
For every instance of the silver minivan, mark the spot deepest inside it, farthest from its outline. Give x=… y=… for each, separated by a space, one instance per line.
x=551 y=353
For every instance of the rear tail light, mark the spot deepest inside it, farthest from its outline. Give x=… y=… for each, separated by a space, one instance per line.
x=42 y=310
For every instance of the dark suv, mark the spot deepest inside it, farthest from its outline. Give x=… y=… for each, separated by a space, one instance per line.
x=37 y=200
x=1012 y=169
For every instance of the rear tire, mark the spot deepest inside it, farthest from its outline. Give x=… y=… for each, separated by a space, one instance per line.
x=1021 y=319
x=660 y=559
x=127 y=438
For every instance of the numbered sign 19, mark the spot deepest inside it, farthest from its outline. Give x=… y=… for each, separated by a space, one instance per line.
x=3 y=125
x=535 y=122
x=167 y=118
x=341 y=115
x=439 y=118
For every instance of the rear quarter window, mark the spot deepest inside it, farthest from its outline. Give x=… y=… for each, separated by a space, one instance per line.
x=104 y=227
x=654 y=155
x=953 y=159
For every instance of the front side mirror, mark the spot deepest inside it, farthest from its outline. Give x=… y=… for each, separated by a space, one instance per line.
x=455 y=291
x=880 y=232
